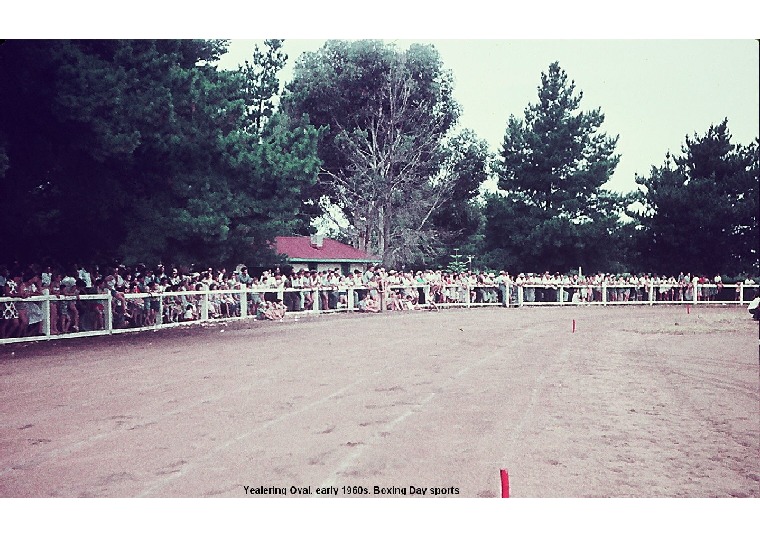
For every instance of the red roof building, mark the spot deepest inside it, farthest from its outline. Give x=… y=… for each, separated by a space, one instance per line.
x=320 y=253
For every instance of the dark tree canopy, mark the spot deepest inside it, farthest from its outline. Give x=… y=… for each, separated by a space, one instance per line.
x=554 y=214
x=701 y=207
x=143 y=150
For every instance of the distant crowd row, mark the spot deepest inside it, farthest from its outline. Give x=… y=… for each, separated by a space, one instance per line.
x=308 y=289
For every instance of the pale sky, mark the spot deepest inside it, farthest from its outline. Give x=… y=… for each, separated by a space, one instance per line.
x=652 y=92
x=658 y=69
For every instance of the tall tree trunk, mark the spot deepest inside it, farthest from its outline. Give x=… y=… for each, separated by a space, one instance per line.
x=386 y=234
x=381 y=244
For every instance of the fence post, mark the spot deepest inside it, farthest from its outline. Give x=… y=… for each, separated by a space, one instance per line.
x=243 y=301
x=350 y=298
x=468 y=298
x=694 y=284
x=520 y=292
x=109 y=313
x=204 y=306
x=381 y=294
x=46 y=316
x=604 y=293
x=740 y=290
x=561 y=294
x=315 y=293
x=651 y=293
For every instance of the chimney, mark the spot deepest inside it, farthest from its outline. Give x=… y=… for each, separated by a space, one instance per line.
x=316 y=241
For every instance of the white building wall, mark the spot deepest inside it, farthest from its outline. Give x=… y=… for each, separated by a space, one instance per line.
x=330 y=266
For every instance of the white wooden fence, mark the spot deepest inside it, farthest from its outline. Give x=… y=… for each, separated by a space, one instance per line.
x=99 y=316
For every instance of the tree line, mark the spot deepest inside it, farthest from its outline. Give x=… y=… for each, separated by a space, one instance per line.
x=144 y=150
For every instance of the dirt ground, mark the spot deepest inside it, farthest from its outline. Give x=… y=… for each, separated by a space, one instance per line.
x=638 y=402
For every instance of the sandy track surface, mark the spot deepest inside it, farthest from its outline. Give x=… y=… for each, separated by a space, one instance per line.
x=638 y=402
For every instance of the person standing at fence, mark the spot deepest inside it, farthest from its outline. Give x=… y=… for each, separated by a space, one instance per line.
x=19 y=290
x=31 y=286
x=324 y=290
x=300 y=281
x=502 y=281
x=119 y=302
x=718 y=281
x=243 y=277
x=333 y=280
x=84 y=274
x=68 y=310
x=529 y=292
x=54 y=289
x=174 y=278
x=10 y=326
x=747 y=292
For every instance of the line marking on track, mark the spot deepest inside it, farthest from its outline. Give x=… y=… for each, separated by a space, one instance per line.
x=199 y=461
x=359 y=450
x=513 y=432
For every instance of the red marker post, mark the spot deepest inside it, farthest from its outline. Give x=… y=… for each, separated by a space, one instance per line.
x=573 y=326
x=504 y=484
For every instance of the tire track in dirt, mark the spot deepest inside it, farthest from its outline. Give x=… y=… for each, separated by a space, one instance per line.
x=526 y=331
x=201 y=461
x=154 y=411
x=593 y=413
x=747 y=446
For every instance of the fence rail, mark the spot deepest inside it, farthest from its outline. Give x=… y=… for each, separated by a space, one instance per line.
x=91 y=315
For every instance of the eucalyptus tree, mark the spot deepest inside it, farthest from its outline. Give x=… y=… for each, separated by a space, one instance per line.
x=390 y=162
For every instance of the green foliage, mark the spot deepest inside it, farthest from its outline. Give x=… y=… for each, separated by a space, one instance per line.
x=388 y=161
x=554 y=215
x=557 y=159
x=701 y=207
x=143 y=150
x=261 y=84
x=456 y=265
x=458 y=217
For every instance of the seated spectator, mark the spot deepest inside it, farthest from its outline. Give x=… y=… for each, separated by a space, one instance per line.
x=754 y=307
x=395 y=302
x=369 y=305
x=189 y=314
x=273 y=311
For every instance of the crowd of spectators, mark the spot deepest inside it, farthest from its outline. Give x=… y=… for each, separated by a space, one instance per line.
x=145 y=296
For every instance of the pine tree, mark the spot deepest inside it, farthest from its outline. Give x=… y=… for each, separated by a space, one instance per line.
x=553 y=213
x=701 y=207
